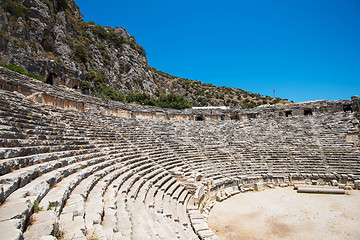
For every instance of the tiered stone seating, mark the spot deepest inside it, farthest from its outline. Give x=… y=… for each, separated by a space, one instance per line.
x=91 y=175
x=85 y=163
x=294 y=145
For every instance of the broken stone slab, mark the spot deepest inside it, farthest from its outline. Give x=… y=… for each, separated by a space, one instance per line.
x=334 y=183
x=207 y=235
x=219 y=198
x=43 y=223
x=75 y=206
x=320 y=190
x=47 y=237
x=23 y=209
x=228 y=192
x=10 y=230
x=259 y=186
x=283 y=185
x=214 y=237
x=94 y=213
x=20 y=203
x=195 y=215
x=296 y=186
x=357 y=184
x=73 y=226
x=200 y=226
x=97 y=232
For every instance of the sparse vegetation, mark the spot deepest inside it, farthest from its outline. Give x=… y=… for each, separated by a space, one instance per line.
x=49 y=206
x=87 y=40
x=113 y=38
x=57 y=232
x=205 y=94
x=96 y=84
x=16 y=9
x=22 y=71
x=36 y=206
x=80 y=53
x=62 y=5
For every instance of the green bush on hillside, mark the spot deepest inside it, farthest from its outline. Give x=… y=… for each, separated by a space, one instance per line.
x=16 y=9
x=22 y=71
x=62 y=5
x=112 y=94
x=80 y=53
x=98 y=79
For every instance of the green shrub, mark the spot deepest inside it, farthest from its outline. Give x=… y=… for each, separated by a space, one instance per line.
x=16 y=9
x=2 y=63
x=139 y=98
x=118 y=40
x=150 y=102
x=36 y=206
x=99 y=30
x=49 y=4
x=80 y=53
x=22 y=71
x=57 y=232
x=173 y=101
x=106 y=59
x=101 y=47
x=141 y=50
x=33 y=75
x=85 y=86
x=15 y=68
x=112 y=94
x=62 y=5
x=98 y=79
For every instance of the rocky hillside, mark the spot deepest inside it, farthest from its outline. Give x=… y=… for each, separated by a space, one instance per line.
x=50 y=39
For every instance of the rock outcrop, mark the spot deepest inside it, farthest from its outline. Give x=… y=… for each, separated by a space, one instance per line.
x=50 y=38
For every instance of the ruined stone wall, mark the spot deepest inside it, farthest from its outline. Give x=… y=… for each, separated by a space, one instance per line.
x=70 y=99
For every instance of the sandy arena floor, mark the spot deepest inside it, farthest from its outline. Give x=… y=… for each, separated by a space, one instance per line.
x=284 y=214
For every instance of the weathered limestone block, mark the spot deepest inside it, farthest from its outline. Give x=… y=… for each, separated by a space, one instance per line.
x=70 y=232
x=296 y=186
x=334 y=183
x=200 y=226
x=16 y=210
x=207 y=235
x=10 y=230
x=47 y=237
x=44 y=224
x=357 y=184
x=320 y=190
x=259 y=186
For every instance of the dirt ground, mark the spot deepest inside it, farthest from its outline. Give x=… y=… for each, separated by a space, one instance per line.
x=284 y=214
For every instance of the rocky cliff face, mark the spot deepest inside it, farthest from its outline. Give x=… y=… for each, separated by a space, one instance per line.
x=50 y=38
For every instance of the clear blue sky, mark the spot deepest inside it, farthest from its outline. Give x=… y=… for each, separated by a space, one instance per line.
x=307 y=49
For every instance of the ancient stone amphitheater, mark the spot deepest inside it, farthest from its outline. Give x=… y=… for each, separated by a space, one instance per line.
x=78 y=167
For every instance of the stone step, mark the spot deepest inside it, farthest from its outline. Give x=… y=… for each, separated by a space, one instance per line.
x=69 y=178
x=17 y=179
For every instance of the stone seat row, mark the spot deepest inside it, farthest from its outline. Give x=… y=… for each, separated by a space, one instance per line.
x=65 y=178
